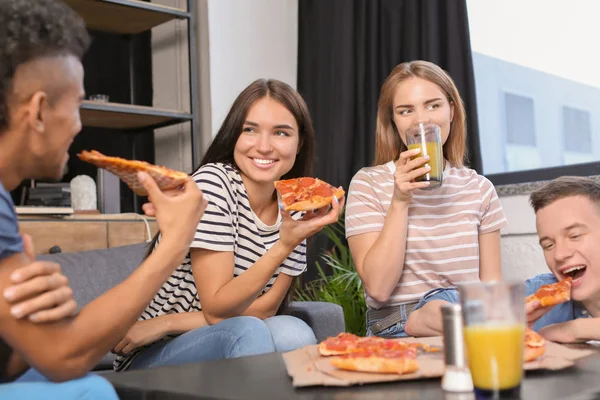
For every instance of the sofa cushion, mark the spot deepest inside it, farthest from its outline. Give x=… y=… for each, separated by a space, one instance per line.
x=91 y=273
x=325 y=319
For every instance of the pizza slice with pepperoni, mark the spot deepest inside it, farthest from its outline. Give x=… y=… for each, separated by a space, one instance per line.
x=535 y=345
x=552 y=294
x=127 y=170
x=306 y=194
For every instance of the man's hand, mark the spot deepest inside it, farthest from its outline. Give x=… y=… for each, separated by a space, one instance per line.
x=40 y=291
x=141 y=334
x=535 y=311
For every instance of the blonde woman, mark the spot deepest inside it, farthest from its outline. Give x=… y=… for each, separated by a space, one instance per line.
x=406 y=241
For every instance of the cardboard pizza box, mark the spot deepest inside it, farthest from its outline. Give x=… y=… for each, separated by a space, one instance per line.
x=307 y=367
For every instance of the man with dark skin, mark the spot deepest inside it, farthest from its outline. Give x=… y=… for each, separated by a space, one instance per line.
x=41 y=89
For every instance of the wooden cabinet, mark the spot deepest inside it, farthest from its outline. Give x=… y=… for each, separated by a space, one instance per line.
x=87 y=232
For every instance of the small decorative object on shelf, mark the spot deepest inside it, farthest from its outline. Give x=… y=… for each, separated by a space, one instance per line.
x=99 y=97
x=83 y=193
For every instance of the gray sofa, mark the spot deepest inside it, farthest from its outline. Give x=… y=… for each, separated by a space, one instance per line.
x=91 y=273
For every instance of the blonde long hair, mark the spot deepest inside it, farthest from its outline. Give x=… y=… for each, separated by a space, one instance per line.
x=388 y=144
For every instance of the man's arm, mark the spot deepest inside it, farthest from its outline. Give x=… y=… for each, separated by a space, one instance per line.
x=40 y=291
x=16 y=365
x=67 y=349
x=577 y=330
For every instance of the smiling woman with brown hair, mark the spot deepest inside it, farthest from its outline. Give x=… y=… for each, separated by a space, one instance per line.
x=247 y=249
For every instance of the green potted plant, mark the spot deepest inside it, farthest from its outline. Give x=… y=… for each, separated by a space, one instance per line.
x=342 y=286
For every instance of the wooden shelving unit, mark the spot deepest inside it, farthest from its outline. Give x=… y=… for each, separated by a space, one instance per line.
x=130 y=17
x=124 y=16
x=127 y=116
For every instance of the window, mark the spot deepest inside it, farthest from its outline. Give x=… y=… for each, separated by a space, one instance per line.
x=537 y=88
x=521 y=151
x=520 y=124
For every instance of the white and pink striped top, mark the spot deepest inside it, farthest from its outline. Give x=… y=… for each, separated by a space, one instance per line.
x=444 y=224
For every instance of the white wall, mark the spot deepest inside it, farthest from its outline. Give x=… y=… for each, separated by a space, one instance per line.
x=522 y=256
x=249 y=39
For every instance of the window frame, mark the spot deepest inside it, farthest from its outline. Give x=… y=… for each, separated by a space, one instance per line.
x=544 y=174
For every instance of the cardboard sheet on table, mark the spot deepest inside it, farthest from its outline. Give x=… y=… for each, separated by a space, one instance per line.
x=307 y=367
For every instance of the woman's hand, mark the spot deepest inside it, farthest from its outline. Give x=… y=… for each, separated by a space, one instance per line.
x=140 y=334
x=407 y=171
x=293 y=232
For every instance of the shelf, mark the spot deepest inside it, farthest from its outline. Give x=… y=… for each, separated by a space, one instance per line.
x=126 y=116
x=124 y=16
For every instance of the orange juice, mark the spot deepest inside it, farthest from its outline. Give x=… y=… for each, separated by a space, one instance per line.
x=436 y=160
x=495 y=355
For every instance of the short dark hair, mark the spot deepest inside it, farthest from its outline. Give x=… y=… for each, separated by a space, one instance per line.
x=30 y=29
x=565 y=186
x=222 y=146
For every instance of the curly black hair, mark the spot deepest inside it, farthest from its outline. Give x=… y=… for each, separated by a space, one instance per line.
x=30 y=29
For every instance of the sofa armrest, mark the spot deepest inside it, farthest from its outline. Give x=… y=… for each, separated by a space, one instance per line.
x=325 y=319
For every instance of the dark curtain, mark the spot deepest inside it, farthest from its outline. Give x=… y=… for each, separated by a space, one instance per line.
x=347 y=48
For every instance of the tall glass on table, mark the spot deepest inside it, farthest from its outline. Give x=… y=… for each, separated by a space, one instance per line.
x=494 y=333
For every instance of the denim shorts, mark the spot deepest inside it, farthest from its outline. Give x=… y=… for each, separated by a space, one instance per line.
x=396 y=330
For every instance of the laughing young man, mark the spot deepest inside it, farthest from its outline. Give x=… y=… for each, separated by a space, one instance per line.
x=567 y=213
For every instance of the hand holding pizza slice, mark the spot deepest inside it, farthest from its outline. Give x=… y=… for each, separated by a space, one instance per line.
x=545 y=298
x=552 y=294
x=127 y=170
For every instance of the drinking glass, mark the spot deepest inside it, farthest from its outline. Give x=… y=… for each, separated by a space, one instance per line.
x=427 y=137
x=494 y=333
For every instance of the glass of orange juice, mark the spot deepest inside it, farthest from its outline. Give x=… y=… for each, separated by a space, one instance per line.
x=494 y=333
x=427 y=137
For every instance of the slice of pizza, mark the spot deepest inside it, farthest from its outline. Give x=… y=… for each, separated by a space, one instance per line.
x=348 y=343
x=127 y=171
x=343 y=343
x=552 y=294
x=306 y=194
x=382 y=362
x=535 y=345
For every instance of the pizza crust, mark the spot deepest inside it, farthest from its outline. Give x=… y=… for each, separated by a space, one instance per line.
x=533 y=353
x=376 y=364
x=535 y=345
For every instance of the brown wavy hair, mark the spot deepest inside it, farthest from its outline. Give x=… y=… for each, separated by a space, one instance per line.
x=388 y=144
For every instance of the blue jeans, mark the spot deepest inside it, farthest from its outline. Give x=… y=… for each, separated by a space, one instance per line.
x=289 y=333
x=33 y=385
x=231 y=338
